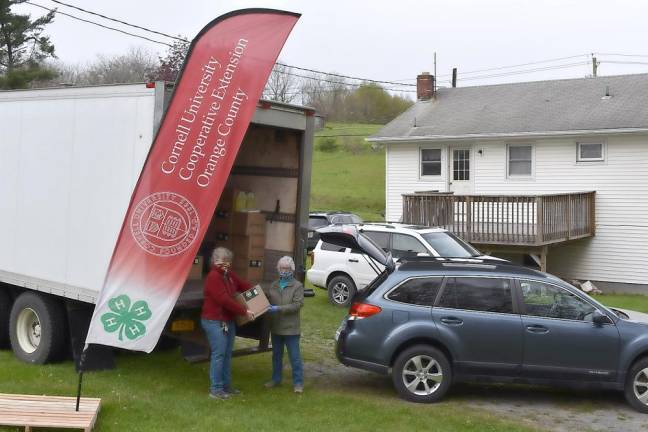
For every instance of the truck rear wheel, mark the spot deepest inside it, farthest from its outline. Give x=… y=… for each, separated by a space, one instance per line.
x=37 y=328
x=5 y=310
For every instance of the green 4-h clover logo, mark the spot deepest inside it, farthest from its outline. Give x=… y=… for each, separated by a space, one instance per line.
x=126 y=318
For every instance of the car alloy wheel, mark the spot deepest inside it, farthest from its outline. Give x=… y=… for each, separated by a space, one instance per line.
x=640 y=386
x=341 y=293
x=422 y=375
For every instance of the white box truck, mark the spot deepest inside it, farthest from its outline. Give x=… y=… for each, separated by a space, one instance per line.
x=69 y=160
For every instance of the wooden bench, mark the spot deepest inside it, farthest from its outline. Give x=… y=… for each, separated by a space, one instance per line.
x=48 y=411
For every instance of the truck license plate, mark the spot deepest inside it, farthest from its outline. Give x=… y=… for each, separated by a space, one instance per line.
x=181 y=325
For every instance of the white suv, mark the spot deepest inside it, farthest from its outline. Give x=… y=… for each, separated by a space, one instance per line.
x=343 y=271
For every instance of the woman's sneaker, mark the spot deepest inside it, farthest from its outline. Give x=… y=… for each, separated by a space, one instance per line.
x=221 y=394
x=271 y=384
x=299 y=389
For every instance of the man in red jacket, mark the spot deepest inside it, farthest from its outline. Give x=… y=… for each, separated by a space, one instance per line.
x=218 y=312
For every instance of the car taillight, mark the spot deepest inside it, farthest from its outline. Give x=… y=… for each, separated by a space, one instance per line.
x=363 y=310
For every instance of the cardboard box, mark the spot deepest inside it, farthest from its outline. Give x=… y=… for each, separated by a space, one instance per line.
x=248 y=246
x=196 y=271
x=248 y=223
x=253 y=299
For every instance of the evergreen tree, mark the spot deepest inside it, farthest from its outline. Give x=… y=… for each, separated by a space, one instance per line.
x=23 y=47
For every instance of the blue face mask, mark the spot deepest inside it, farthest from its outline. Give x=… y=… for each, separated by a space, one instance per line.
x=286 y=275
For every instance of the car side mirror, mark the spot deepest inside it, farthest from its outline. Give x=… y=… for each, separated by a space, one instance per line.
x=599 y=318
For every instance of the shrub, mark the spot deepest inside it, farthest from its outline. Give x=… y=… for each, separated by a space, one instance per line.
x=328 y=145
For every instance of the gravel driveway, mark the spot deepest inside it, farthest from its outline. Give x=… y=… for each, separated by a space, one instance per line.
x=545 y=408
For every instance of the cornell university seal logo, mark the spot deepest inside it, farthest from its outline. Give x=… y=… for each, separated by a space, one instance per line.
x=164 y=224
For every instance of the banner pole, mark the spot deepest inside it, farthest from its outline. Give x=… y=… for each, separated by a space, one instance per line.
x=81 y=362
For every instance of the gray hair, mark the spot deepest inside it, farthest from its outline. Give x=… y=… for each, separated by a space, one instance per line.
x=221 y=254
x=286 y=261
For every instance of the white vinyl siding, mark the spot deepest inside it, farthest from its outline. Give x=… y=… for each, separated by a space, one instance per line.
x=402 y=175
x=619 y=250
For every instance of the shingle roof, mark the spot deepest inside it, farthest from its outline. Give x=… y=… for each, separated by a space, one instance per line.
x=529 y=107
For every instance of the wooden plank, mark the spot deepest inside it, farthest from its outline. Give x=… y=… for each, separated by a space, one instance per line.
x=48 y=411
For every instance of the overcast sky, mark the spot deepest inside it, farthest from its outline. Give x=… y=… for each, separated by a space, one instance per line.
x=395 y=40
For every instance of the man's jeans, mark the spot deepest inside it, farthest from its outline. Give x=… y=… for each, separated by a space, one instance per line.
x=292 y=343
x=222 y=344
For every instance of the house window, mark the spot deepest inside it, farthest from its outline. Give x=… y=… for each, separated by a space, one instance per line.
x=590 y=152
x=430 y=162
x=520 y=160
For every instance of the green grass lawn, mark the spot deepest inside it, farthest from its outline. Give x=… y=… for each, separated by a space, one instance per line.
x=161 y=391
x=352 y=177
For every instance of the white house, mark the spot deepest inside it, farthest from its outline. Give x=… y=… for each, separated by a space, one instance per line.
x=535 y=138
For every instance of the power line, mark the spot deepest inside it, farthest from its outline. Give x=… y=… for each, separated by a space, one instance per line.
x=624 y=62
x=519 y=65
x=97 y=24
x=524 y=71
x=346 y=76
x=622 y=55
x=119 y=21
x=186 y=41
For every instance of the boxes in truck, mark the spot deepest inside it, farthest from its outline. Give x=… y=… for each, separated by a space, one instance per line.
x=250 y=269
x=248 y=223
x=248 y=246
x=88 y=156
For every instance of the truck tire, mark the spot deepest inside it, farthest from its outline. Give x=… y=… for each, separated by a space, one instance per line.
x=5 y=310
x=341 y=290
x=37 y=328
x=422 y=374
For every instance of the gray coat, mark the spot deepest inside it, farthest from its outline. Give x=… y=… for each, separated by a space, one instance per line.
x=290 y=300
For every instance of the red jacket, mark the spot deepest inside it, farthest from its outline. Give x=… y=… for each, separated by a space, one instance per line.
x=219 y=303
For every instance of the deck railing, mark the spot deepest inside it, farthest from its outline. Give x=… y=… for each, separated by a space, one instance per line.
x=526 y=220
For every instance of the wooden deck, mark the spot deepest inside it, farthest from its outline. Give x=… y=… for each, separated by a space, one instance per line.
x=32 y=411
x=513 y=220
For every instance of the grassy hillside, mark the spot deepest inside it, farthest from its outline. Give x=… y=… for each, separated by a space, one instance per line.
x=348 y=174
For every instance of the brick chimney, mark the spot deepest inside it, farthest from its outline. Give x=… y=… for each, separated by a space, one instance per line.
x=425 y=86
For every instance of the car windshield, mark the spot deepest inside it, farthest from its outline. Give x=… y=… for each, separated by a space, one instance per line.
x=317 y=222
x=345 y=219
x=449 y=245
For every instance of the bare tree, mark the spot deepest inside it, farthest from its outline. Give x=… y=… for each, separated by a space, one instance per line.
x=134 y=66
x=282 y=85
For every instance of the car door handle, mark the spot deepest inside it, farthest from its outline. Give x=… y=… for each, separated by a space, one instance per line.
x=451 y=321
x=534 y=328
x=353 y=260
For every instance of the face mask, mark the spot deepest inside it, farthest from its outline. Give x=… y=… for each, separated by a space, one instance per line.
x=222 y=265
x=286 y=274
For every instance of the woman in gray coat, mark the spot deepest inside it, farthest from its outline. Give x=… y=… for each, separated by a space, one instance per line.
x=286 y=295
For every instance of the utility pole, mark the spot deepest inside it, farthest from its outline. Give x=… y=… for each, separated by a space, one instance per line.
x=594 y=66
x=454 y=77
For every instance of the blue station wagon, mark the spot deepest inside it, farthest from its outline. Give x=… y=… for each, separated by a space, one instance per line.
x=430 y=322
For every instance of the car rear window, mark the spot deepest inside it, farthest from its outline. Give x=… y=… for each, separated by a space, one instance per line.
x=478 y=294
x=419 y=291
x=379 y=237
x=449 y=245
x=331 y=247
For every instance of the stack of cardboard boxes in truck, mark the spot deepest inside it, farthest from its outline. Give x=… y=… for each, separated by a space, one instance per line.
x=240 y=228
